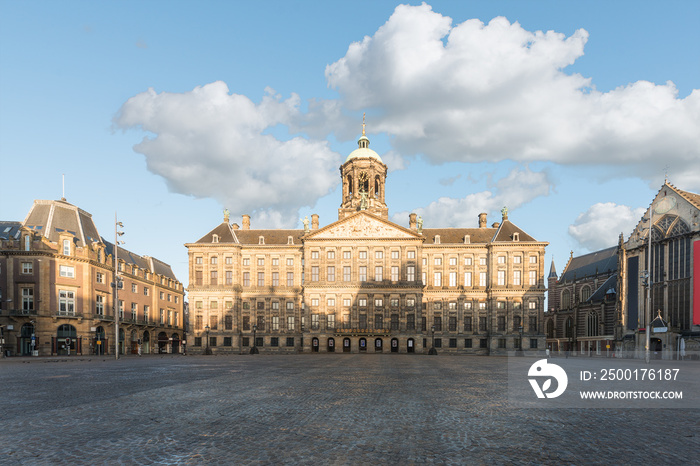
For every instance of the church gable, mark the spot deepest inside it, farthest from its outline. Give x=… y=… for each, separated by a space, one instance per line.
x=363 y=225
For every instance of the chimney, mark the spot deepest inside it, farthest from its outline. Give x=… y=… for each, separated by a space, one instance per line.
x=412 y=221
x=482 y=220
x=496 y=225
x=246 y=222
x=235 y=226
x=314 y=221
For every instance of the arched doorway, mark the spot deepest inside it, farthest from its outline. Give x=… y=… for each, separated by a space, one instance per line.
x=363 y=344
x=314 y=345
x=100 y=341
x=146 y=349
x=378 y=345
x=162 y=343
x=134 y=342
x=394 y=345
x=411 y=345
x=346 y=345
x=331 y=345
x=66 y=341
x=176 y=343
x=25 y=339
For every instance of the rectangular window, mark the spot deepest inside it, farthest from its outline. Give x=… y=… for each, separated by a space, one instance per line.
x=261 y=323
x=453 y=343
x=501 y=278
x=394 y=322
x=290 y=342
x=394 y=302
x=453 y=278
x=134 y=310
x=290 y=322
x=290 y=261
x=275 y=279
x=533 y=343
x=261 y=261
x=330 y=272
x=467 y=279
x=378 y=302
x=246 y=322
x=28 y=299
x=212 y=341
x=363 y=255
x=290 y=305
x=66 y=247
x=246 y=278
x=363 y=274
x=517 y=259
x=363 y=320
x=228 y=260
x=227 y=341
x=228 y=322
x=437 y=279
x=378 y=321
x=437 y=323
x=198 y=277
x=394 y=273
x=245 y=341
x=290 y=278
x=468 y=324
x=347 y=273
x=261 y=278
x=501 y=259
x=533 y=259
x=274 y=341
x=213 y=278
x=229 y=277
x=197 y=341
x=330 y=254
x=532 y=324
x=314 y=273
x=533 y=277
x=482 y=261
x=362 y=302
x=482 y=324
x=502 y=343
x=314 y=254
x=516 y=277
x=347 y=254
x=467 y=261
x=275 y=323
x=501 y=322
x=100 y=277
x=482 y=279
x=410 y=322
x=452 y=323
x=330 y=321
x=378 y=271
x=100 y=305
x=66 y=303
x=67 y=271
x=483 y=343
x=467 y=343
x=411 y=273
x=275 y=261
x=379 y=254
x=315 y=321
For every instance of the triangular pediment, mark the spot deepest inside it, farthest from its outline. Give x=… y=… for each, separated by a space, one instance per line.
x=363 y=225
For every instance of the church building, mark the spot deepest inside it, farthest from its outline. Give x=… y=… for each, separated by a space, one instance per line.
x=366 y=284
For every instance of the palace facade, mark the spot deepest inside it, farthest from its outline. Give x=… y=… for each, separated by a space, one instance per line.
x=366 y=284
x=57 y=286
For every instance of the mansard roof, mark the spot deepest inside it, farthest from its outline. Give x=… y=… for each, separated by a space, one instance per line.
x=151 y=264
x=456 y=235
x=603 y=261
x=9 y=230
x=223 y=231
x=51 y=218
x=506 y=232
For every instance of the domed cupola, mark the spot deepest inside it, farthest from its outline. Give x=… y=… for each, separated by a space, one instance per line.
x=364 y=177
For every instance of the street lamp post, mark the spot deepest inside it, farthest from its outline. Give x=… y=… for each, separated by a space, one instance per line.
x=520 y=329
x=432 y=345
x=207 y=350
x=254 y=349
x=117 y=282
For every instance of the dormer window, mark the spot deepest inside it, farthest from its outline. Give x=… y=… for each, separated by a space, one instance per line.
x=290 y=240
x=516 y=236
x=261 y=240
x=27 y=242
x=437 y=239
x=66 y=247
x=215 y=238
x=467 y=239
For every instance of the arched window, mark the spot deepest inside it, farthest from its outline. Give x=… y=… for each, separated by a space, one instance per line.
x=66 y=331
x=377 y=186
x=585 y=293
x=566 y=299
x=592 y=325
x=550 y=328
x=569 y=328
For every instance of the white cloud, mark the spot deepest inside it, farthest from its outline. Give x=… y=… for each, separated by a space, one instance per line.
x=600 y=226
x=209 y=143
x=489 y=92
x=519 y=187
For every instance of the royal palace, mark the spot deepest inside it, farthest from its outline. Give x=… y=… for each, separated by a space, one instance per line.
x=366 y=284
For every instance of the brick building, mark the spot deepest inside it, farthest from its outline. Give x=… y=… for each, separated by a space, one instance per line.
x=56 y=276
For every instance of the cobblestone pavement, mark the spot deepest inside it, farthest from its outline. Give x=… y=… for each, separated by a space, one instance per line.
x=303 y=409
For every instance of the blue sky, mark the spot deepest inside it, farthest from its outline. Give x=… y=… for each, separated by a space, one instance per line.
x=167 y=112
